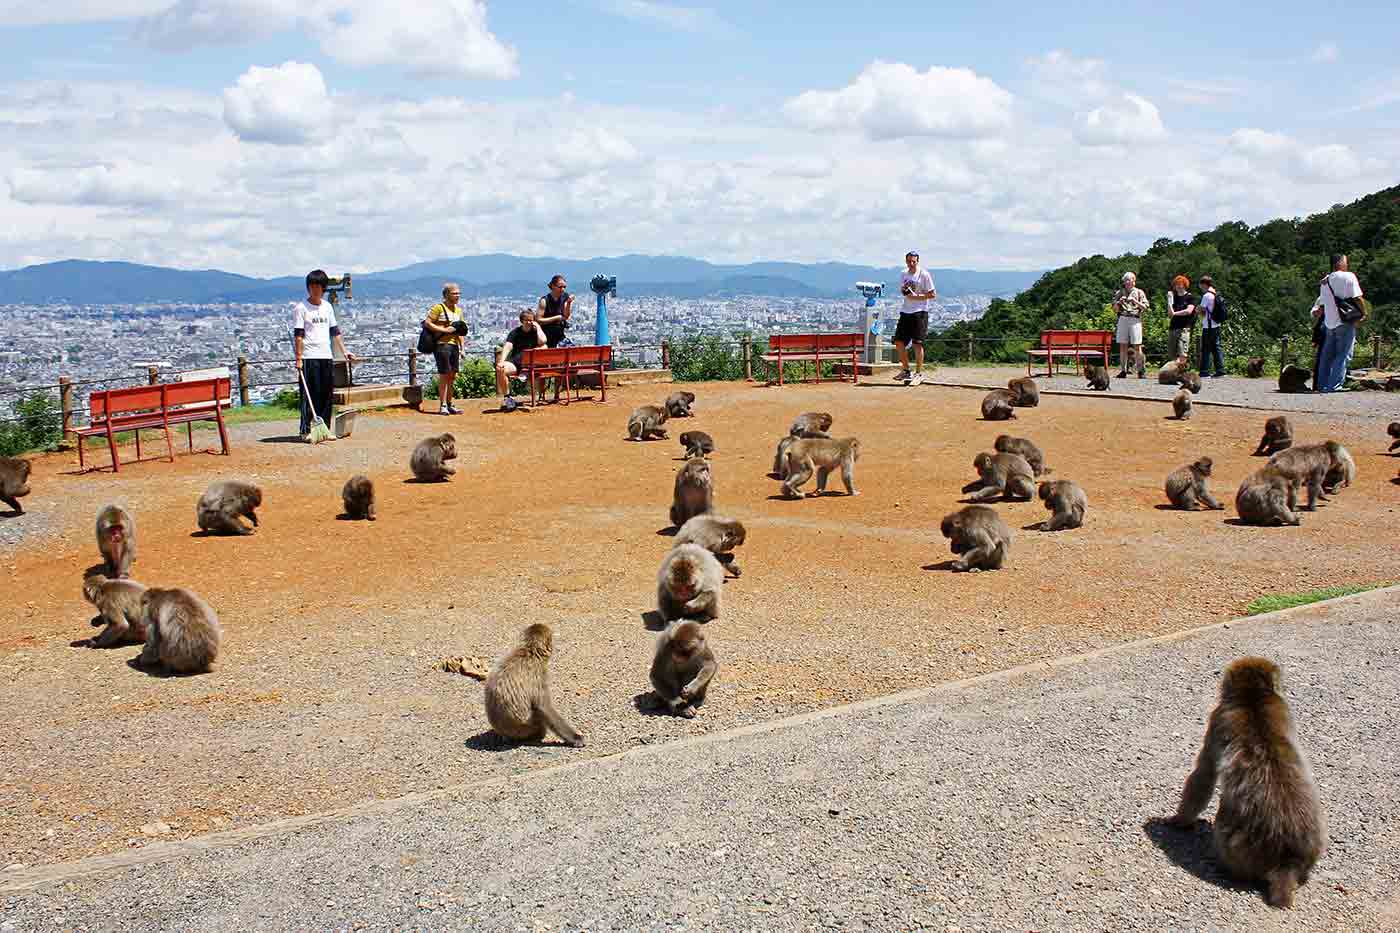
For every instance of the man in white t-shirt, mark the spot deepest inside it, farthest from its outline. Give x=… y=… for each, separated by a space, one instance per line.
x=916 y=285
x=1340 y=337
x=314 y=329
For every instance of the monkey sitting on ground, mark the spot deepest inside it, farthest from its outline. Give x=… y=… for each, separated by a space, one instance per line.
x=646 y=422
x=978 y=536
x=683 y=667
x=222 y=507
x=718 y=535
x=1269 y=827
x=116 y=540
x=822 y=454
x=811 y=424
x=518 y=704
x=1393 y=430
x=1097 y=377
x=1181 y=404
x=182 y=633
x=429 y=459
x=1066 y=501
x=1186 y=487
x=688 y=584
x=1267 y=497
x=1278 y=435
x=678 y=404
x=1170 y=374
x=14 y=482
x=694 y=492
x=1006 y=475
x=998 y=405
x=1254 y=367
x=1191 y=381
x=1309 y=465
x=1025 y=393
x=1007 y=444
x=1341 y=473
x=697 y=444
x=358 y=496
x=118 y=604
x=1294 y=379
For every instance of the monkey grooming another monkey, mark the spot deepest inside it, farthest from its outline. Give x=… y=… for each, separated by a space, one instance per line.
x=1294 y=379
x=1393 y=430
x=811 y=424
x=1267 y=497
x=1254 y=367
x=1309 y=465
x=718 y=535
x=646 y=422
x=998 y=405
x=978 y=536
x=182 y=633
x=1006 y=444
x=118 y=605
x=1006 y=475
x=116 y=540
x=1269 y=827
x=1025 y=393
x=224 y=504
x=518 y=703
x=697 y=444
x=1181 y=404
x=694 y=492
x=1097 y=377
x=678 y=404
x=1186 y=487
x=14 y=482
x=688 y=584
x=1278 y=435
x=683 y=667
x=358 y=496
x=1067 y=503
x=429 y=459
x=822 y=454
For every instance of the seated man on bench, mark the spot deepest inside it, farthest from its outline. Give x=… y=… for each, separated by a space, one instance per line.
x=527 y=336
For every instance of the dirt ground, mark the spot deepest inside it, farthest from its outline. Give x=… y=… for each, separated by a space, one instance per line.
x=326 y=692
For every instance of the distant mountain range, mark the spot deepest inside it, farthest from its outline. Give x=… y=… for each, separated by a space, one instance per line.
x=494 y=274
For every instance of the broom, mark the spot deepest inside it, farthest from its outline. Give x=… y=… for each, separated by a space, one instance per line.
x=319 y=432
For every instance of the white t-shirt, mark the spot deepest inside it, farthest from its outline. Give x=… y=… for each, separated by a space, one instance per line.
x=922 y=282
x=1345 y=285
x=316 y=321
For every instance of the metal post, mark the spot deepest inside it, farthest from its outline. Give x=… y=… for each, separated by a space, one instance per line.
x=1283 y=352
x=152 y=375
x=65 y=401
x=243 y=381
x=412 y=366
x=1376 y=355
x=665 y=354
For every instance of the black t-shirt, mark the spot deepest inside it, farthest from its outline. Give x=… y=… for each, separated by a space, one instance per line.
x=522 y=339
x=1179 y=303
x=554 y=333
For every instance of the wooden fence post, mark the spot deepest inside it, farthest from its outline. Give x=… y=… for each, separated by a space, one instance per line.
x=243 y=394
x=665 y=355
x=65 y=402
x=969 y=348
x=746 y=353
x=1283 y=352
x=152 y=375
x=1376 y=356
x=412 y=366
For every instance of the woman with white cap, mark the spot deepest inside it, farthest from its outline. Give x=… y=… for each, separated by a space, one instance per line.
x=1130 y=302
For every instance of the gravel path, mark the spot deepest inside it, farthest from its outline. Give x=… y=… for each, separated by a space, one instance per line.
x=1023 y=801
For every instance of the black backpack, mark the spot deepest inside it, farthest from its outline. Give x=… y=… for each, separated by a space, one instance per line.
x=1219 y=313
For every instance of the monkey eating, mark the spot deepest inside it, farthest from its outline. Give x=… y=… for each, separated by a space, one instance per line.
x=822 y=454
x=1006 y=444
x=998 y=405
x=811 y=424
x=682 y=668
x=718 y=535
x=645 y=423
x=118 y=604
x=1191 y=381
x=1006 y=475
x=1181 y=404
x=697 y=444
x=183 y=635
x=694 y=492
x=429 y=459
x=1024 y=392
x=1294 y=379
x=14 y=482
x=1171 y=372
x=1186 y=487
x=116 y=540
x=978 y=536
x=688 y=584
x=1267 y=497
x=1066 y=502
x=1097 y=377
x=1340 y=473
x=678 y=404
x=1278 y=435
x=224 y=505
x=358 y=496
x=518 y=703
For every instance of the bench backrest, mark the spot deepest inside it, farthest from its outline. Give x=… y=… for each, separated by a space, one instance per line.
x=213 y=372
x=545 y=356
x=153 y=398
x=593 y=356
x=1073 y=339
x=807 y=343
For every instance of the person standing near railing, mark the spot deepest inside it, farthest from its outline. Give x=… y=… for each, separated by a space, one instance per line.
x=1130 y=303
x=916 y=285
x=445 y=320
x=314 y=329
x=1339 y=338
x=1212 y=361
x=552 y=314
x=1183 y=316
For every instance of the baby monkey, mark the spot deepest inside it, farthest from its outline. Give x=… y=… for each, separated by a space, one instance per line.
x=683 y=667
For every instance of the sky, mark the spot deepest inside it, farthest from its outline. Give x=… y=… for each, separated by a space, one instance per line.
x=266 y=137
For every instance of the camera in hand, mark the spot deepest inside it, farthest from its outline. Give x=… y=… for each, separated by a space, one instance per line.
x=459 y=327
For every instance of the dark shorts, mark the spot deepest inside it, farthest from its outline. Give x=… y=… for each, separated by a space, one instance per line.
x=448 y=357
x=912 y=328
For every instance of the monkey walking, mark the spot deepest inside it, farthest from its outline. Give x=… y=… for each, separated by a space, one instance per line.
x=1006 y=444
x=116 y=540
x=183 y=634
x=678 y=404
x=358 y=496
x=822 y=455
x=518 y=703
x=1310 y=465
x=682 y=668
x=1186 y=487
x=689 y=583
x=118 y=604
x=697 y=444
x=646 y=422
x=224 y=505
x=718 y=535
x=1278 y=435
x=978 y=537
x=998 y=405
x=14 y=482
x=1005 y=475
x=429 y=459
x=1269 y=827
x=1066 y=502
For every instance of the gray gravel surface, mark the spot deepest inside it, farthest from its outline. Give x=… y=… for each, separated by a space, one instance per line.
x=1023 y=801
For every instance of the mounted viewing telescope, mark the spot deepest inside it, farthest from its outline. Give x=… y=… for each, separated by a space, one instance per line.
x=872 y=328
x=603 y=286
x=336 y=283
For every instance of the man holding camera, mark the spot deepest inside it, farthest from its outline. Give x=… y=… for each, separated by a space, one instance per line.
x=314 y=329
x=916 y=285
x=445 y=320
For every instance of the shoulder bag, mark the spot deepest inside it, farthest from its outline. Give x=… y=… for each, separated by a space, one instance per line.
x=1350 y=310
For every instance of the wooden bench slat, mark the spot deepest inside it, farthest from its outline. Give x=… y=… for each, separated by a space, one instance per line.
x=801 y=348
x=566 y=363
x=156 y=406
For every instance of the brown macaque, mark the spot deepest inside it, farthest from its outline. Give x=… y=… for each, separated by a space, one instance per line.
x=646 y=421
x=697 y=444
x=678 y=404
x=1308 y=465
x=1006 y=444
x=1294 y=379
x=1097 y=377
x=1186 y=487
x=1171 y=372
x=688 y=584
x=1025 y=392
x=822 y=455
x=1254 y=367
x=811 y=424
x=183 y=635
x=1191 y=381
x=224 y=505
x=1267 y=497
x=780 y=458
x=716 y=534
x=978 y=536
x=358 y=496
x=1341 y=473
x=1066 y=503
x=1181 y=404
x=683 y=667
x=1393 y=430
x=998 y=405
x=1004 y=475
x=429 y=459
x=118 y=604
x=518 y=702
x=1278 y=435
x=116 y=540
x=14 y=482
x=694 y=492
x=1269 y=828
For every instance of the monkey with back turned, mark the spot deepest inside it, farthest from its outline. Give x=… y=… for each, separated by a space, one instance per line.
x=14 y=482
x=358 y=497
x=998 y=405
x=1025 y=393
x=694 y=492
x=429 y=459
x=518 y=702
x=183 y=634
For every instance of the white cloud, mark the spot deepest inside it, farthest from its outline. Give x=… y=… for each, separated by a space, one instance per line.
x=1259 y=142
x=1061 y=78
x=191 y=23
x=1125 y=120
x=1325 y=53
x=283 y=105
x=96 y=186
x=670 y=15
x=1334 y=162
x=59 y=12
x=891 y=100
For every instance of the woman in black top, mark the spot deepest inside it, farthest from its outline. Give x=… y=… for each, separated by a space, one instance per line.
x=1183 y=312
x=554 y=311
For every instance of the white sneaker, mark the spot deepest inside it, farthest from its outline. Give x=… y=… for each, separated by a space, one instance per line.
x=917 y=379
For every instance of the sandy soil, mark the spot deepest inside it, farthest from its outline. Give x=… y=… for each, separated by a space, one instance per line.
x=326 y=693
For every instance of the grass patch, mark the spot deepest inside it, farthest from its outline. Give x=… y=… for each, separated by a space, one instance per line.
x=1289 y=600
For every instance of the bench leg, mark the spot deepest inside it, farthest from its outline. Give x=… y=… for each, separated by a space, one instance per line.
x=138 y=445
x=169 y=445
x=112 y=446
x=603 y=382
x=817 y=368
x=189 y=435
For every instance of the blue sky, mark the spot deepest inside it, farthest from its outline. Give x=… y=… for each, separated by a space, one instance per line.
x=205 y=132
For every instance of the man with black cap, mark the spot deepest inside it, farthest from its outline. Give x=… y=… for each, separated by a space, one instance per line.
x=916 y=285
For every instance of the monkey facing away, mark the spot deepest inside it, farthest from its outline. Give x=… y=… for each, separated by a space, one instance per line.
x=14 y=482
x=646 y=421
x=1006 y=475
x=224 y=505
x=683 y=667
x=1309 y=465
x=1181 y=404
x=678 y=404
x=1267 y=497
x=978 y=536
x=1254 y=367
x=1097 y=377
x=118 y=604
x=697 y=444
x=1278 y=435
x=1025 y=392
x=998 y=405
x=694 y=493
x=183 y=635
x=1269 y=827
x=1066 y=502
x=811 y=424
x=358 y=496
x=1186 y=487
x=518 y=703
x=1294 y=379
x=116 y=540
x=429 y=459
x=822 y=454
x=1006 y=444
x=716 y=534
x=1393 y=429
x=1341 y=473
x=688 y=584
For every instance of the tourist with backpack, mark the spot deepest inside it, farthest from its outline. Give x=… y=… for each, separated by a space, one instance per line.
x=1213 y=313
x=1340 y=308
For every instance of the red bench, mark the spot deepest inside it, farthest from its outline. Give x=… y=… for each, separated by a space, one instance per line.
x=796 y=348
x=150 y=407
x=567 y=363
x=1075 y=343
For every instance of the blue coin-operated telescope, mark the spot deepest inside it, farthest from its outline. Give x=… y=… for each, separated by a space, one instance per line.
x=872 y=329
x=603 y=286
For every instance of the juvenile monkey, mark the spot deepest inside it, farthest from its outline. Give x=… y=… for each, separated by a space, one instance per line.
x=1278 y=435
x=1007 y=475
x=1067 y=503
x=429 y=459
x=1181 y=404
x=716 y=534
x=646 y=421
x=1171 y=372
x=1007 y=444
x=697 y=444
x=358 y=496
x=1393 y=430
x=1341 y=473
x=118 y=604
x=182 y=633
x=14 y=482
x=1027 y=395
x=683 y=667
x=116 y=540
x=1309 y=465
x=1191 y=381
x=678 y=404
x=1186 y=487
x=1267 y=497
x=1254 y=367
x=1269 y=827
x=224 y=504
x=822 y=454
x=694 y=493
x=811 y=424
x=978 y=536
x=688 y=584
x=1097 y=377
x=1294 y=379
x=998 y=405
x=518 y=704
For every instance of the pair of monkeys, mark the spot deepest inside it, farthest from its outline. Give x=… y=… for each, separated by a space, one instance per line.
x=181 y=633
x=808 y=448
x=1011 y=473
x=1269 y=496
x=1000 y=404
